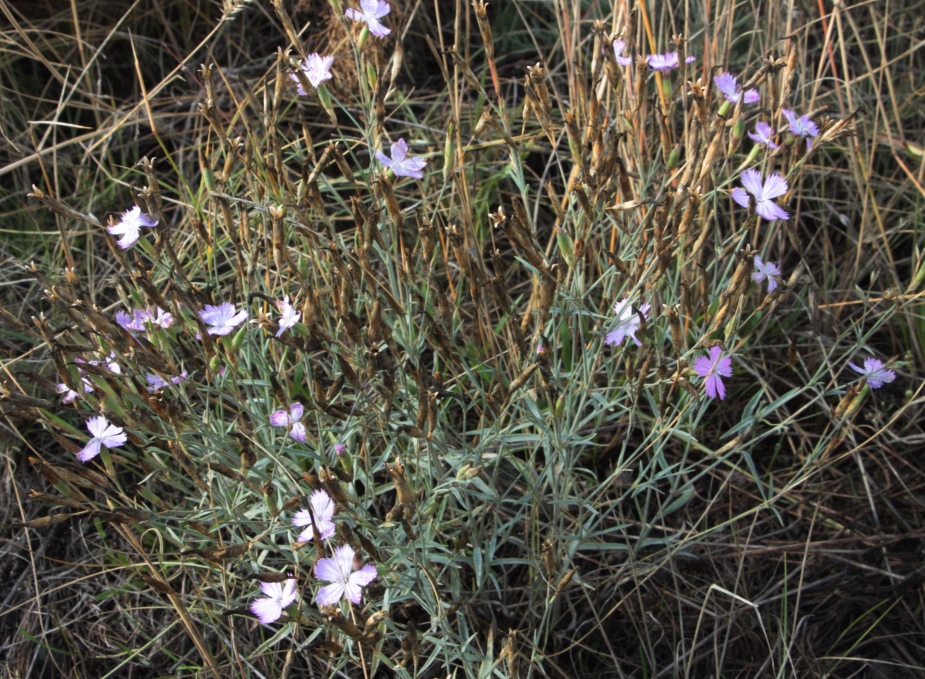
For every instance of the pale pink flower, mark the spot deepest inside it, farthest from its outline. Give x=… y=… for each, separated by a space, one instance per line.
x=316 y=68
x=667 y=62
x=773 y=186
x=401 y=163
x=763 y=134
x=874 y=372
x=340 y=449
x=714 y=367
x=729 y=86
x=345 y=581
x=323 y=510
x=223 y=318
x=292 y=419
x=627 y=323
x=766 y=271
x=618 y=47
x=104 y=434
x=370 y=12
x=279 y=597
x=157 y=382
x=130 y=227
x=288 y=315
x=801 y=126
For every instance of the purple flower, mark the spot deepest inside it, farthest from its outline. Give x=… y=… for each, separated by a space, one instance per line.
x=316 y=68
x=370 y=12
x=338 y=570
x=667 y=61
x=279 y=597
x=874 y=372
x=323 y=510
x=136 y=321
x=627 y=323
x=618 y=47
x=288 y=315
x=729 y=86
x=104 y=434
x=157 y=382
x=222 y=318
x=291 y=419
x=130 y=226
x=763 y=135
x=340 y=448
x=774 y=186
x=802 y=126
x=766 y=271
x=712 y=367
x=400 y=163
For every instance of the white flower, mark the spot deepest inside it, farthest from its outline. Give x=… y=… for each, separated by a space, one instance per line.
x=316 y=68
x=627 y=323
x=370 y=12
x=130 y=226
x=288 y=315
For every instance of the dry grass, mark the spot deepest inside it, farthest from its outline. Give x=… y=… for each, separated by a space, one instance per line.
x=579 y=511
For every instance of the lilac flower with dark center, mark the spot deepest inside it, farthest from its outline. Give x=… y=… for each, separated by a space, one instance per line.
x=801 y=126
x=773 y=187
x=222 y=318
x=323 y=511
x=370 y=12
x=316 y=68
x=729 y=86
x=344 y=580
x=766 y=271
x=401 y=163
x=130 y=227
x=279 y=596
x=627 y=323
x=104 y=434
x=288 y=315
x=618 y=47
x=713 y=368
x=763 y=134
x=874 y=372
x=292 y=419
x=667 y=62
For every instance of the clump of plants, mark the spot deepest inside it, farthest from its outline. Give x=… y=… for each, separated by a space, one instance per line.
x=392 y=396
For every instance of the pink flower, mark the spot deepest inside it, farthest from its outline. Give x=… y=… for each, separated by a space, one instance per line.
x=763 y=135
x=136 y=321
x=222 y=318
x=400 y=163
x=667 y=61
x=340 y=449
x=370 y=12
x=344 y=580
x=729 y=86
x=288 y=315
x=874 y=372
x=323 y=511
x=618 y=47
x=766 y=271
x=104 y=434
x=316 y=68
x=279 y=597
x=291 y=419
x=130 y=226
x=69 y=394
x=627 y=323
x=712 y=367
x=774 y=186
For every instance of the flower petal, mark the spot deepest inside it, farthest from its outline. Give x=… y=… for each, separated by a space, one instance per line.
x=266 y=610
